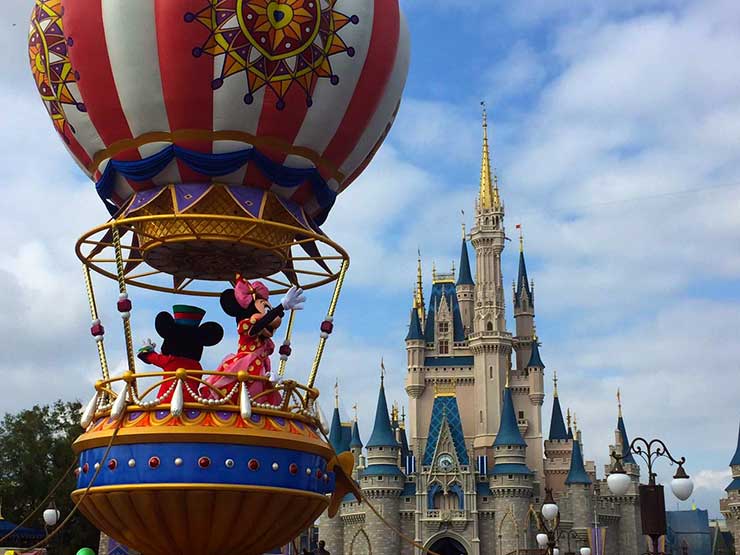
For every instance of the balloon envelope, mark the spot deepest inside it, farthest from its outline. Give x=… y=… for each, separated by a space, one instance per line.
x=293 y=97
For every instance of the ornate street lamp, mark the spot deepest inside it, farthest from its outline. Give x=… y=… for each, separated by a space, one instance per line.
x=652 y=500
x=548 y=522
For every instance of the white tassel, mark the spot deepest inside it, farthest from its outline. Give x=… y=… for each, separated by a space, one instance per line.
x=245 y=403
x=90 y=409
x=119 y=407
x=177 y=403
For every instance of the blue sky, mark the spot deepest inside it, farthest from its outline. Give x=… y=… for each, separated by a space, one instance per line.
x=615 y=128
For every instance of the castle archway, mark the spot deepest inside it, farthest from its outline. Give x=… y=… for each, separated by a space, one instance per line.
x=448 y=546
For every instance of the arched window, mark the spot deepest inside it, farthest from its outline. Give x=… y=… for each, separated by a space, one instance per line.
x=489 y=326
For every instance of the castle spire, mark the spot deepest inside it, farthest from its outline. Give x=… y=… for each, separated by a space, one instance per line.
x=736 y=458
x=465 y=276
x=382 y=435
x=523 y=292
x=557 y=426
x=486 y=196
x=535 y=361
x=626 y=451
x=577 y=473
x=335 y=430
x=419 y=294
x=355 y=442
x=508 y=432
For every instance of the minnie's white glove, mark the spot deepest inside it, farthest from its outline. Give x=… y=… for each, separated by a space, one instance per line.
x=293 y=299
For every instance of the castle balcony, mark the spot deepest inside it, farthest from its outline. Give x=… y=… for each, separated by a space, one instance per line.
x=434 y=519
x=522 y=424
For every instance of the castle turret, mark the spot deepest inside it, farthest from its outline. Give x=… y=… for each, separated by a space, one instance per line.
x=331 y=530
x=489 y=341
x=511 y=479
x=523 y=311
x=578 y=487
x=558 y=446
x=382 y=480
x=415 y=344
x=536 y=374
x=730 y=506
x=355 y=446
x=465 y=287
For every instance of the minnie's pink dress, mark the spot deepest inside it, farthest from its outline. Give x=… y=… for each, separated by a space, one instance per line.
x=253 y=358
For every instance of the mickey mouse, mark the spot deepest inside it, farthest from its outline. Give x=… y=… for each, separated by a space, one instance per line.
x=184 y=338
x=256 y=322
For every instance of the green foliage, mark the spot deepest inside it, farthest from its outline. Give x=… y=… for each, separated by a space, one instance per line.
x=35 y=451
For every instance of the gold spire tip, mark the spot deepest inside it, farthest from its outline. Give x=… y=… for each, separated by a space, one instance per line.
x=555 y=381
x=619 y=402
x=382 y=371
x=567 y=416
x=507 y=378
x=354 y=410
x=336 y=393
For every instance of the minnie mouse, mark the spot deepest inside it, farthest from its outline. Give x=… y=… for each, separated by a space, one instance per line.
x=256 y=322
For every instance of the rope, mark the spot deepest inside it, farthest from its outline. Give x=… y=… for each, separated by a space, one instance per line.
x=126 y=320
x=61 y=526
x=329 y=316
x=286 y=341
x=94 y=315
x=42 y=504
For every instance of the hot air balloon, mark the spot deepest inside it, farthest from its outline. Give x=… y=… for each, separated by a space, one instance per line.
x=218 y=134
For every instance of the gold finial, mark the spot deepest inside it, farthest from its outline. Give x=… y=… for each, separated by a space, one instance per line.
x=567 y=416
x=336 y=393
x=534 y=332
x=434 y=269
x=354 y=410
x=486 y=190
x=463 y=224
x=419 y=298
x=555 y=380
x=403 y=417
x=382 y=371
x=507 y=378
x=619 y=402
x=453 y=268
x=496 y=196
x=575 y=423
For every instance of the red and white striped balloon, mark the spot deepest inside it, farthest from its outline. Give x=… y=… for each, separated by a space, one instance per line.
x=308 y=83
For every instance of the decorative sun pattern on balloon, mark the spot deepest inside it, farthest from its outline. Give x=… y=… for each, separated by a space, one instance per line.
x=277 y=43
x=50 y=64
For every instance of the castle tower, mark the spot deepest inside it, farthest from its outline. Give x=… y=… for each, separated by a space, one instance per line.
x=382 y=481
x=532 y=405
x=558 y=446
x=511 y=479
x=523 y=311
x=331 y=530
x=628 y=504
x=730 y=506
x=415 y=347
x=465 y=287
x=489 y=341
x=355 y=446
x=578 y=489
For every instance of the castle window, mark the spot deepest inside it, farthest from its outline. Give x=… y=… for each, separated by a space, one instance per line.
x=521 y=415
x=444 y=327
x=444 y=347
x=408 y=500
x=490 y=372
x=489 y=326
x=481 y=417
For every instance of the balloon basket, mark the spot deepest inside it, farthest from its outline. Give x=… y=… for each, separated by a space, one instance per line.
x=203 y=477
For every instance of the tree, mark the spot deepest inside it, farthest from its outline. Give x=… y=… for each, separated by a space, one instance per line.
x=36 y=450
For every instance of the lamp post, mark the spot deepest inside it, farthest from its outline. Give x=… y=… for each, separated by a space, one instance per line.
x=51 y=517
x=548 y=522
x=652 y=500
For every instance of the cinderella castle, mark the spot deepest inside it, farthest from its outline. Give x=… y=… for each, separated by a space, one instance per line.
x=467 y=472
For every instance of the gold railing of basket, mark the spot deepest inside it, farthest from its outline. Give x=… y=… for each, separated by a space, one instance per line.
x=297 y=400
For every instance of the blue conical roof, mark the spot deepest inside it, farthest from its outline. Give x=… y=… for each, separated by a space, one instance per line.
x=335 y=431
x=570 y=433
x=577 y=474
x=508 y=432
x=522 y=283
x=382 y=435
x=535 y=361
x=736 y=459
x=465 y=277
x=355 y=442
x=626 y=451
x=415 y=332
x=557 y=425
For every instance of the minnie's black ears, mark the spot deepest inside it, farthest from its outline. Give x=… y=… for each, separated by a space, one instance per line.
x=229 y=304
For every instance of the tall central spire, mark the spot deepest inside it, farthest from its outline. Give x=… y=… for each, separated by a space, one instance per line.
x=488 y=197
x=419 y=295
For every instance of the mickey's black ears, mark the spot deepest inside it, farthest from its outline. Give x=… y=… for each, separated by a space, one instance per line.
x=229 y=304
x=164 y=324
x=210 y=333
